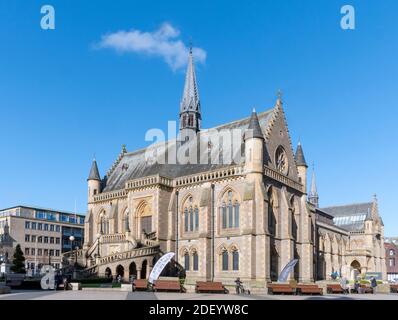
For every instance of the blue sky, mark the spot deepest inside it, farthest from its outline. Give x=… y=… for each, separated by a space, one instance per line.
x=63 y=97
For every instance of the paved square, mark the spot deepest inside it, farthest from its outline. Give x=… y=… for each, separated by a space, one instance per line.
x=119 y=295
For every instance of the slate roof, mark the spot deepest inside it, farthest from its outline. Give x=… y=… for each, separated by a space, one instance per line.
x=299 y=156
x=94 y=173
x=254 y=129
x=350 y=217
x=133 y=165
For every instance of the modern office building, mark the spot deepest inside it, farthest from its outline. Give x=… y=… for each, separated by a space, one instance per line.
x=44 y=234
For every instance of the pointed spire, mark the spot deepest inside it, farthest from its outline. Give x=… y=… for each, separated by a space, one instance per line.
x=94 y=173
x=375 y=207
x=254 y=129
x=190 y=113
x=279 y=98
x=299 y=156
x=313 y=195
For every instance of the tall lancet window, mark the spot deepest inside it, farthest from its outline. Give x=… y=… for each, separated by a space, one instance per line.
x=190 y=216
x=229 y=211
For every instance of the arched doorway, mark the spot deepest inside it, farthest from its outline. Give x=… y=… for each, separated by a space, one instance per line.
x=108 y=273
x=355 y=269
x=120 y=271
x=143 y=269
x=133 y=270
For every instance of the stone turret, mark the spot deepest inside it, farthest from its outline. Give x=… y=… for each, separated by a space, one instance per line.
x=93 y=181
x=301 y=165
x=254 y=145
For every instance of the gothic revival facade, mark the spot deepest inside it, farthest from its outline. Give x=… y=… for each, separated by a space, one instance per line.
x=243 y=218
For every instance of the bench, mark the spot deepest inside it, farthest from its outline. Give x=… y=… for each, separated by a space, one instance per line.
x=366 y=289
x=210 y=287
x=309 y=289
x=280 y=288
x=394 y=288
x=168 y=285
x=334 y=288
x=140 y=284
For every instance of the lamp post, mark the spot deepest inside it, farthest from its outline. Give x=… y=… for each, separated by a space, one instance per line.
x=71 y=238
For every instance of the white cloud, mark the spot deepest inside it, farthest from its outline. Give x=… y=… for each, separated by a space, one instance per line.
x=163 y=42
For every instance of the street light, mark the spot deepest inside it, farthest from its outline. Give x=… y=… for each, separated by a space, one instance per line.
x=71 y=238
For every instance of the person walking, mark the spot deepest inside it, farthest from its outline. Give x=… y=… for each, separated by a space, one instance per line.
x=373 y=284
x=238 y=285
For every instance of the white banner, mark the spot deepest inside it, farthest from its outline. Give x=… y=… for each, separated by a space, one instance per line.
x=48 y=280
x=159 y=266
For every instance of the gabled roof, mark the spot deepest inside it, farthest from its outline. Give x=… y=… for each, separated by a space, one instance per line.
x=135 y=165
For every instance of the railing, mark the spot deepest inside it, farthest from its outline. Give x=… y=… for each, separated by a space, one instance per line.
x=112 y=238
x=283 y=179
x=149 y=181
x=110 y=195
x=90 y=251
x=210 y=176
x=129 y=254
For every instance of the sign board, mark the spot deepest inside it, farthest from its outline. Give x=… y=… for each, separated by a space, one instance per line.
x=159 y=266
x=377 y=275
x=286 y=270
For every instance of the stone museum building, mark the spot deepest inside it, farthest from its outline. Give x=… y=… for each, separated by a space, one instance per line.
x=243 y=218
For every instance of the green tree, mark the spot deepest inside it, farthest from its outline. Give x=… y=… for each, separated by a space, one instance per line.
x=18 y=262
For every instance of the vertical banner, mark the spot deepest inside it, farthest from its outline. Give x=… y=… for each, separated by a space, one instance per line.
x=159 y=266
x=286 y=270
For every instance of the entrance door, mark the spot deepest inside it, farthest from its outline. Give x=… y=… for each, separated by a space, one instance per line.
x=143 y=269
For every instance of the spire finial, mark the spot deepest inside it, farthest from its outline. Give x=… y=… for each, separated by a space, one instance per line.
x=190 y=45
x=254 y=109
x=279 y=95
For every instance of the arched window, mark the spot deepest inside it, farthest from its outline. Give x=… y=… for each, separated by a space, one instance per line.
x=235 y=260
x=229 y=211
x=196 y=218
x=186 y=219
x=190 y=219
x=236 y=218
x=224 y=215
x=186 y=261
x=126 y=221
x=271 y=215
x=145 y=218
x=195 y=259
x=224 y=260
x=103 y=223
x=191 y=216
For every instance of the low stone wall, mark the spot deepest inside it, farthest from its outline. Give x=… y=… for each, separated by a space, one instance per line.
x=5 y=289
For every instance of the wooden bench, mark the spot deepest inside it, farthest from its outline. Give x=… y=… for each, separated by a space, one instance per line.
x=394 y=288
x=280 y=288
x=210 y=287
x=366 y=289
x=140 y=284
x=168 y=285
x=309 y=289
x=334 y=288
